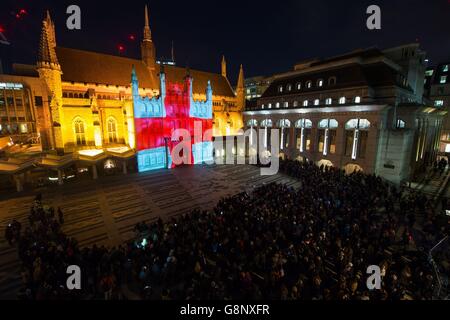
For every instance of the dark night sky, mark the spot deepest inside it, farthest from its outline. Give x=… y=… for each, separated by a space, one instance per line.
x=265 y=36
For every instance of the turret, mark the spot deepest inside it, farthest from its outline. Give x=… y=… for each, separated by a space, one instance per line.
x=49 y=71
x=47 y=54
x=240 y=90
x=224 y=67
x=148 y=54
x=209 y=94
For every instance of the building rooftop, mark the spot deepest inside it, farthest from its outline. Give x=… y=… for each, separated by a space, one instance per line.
x=92 y=67
x=351 y=75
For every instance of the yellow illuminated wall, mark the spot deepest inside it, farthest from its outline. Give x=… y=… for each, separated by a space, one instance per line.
x=95 y=113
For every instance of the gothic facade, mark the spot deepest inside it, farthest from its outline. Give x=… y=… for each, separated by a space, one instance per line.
x=90 y=100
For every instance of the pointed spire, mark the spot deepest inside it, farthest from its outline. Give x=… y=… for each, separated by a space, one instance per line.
x=47 y=44
x=147 y=32
x=133 y=73
x=208 y=91
x=148 y=54
x=146 y=17
x=134 y=82
x=240 y=94
x=173 y=53
x=240 y=83
x=224 y=67
x=48 y=18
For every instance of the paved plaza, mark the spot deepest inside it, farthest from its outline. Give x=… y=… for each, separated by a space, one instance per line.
x=105 y=211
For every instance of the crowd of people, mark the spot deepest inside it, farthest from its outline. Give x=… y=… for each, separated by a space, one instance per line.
x=311 y=243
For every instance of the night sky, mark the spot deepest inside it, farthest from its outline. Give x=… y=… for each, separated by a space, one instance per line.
x=265 y=36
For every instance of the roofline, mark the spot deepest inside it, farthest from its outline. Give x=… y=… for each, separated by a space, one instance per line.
x=338 y=64
x=411 y=44
x=134 y=59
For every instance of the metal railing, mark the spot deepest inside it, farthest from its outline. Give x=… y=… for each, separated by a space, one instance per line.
x=438 y=256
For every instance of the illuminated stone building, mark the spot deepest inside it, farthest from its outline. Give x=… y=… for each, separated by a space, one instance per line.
x=73 y=111
x=89 y=105
x=363 y=110
x=255 y=86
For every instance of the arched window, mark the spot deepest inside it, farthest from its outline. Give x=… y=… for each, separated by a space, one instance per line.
x=303 y=123
x=80 y=136
x=328 y=101
x=327 y=136
x=356 y=133
x=286 y=104
x=357 y=99
x=342 y=100
x=277 y=105
x=284 y=124
x=280 y=89
x=252 y=123
x=320 y=83
x=266 y=124
x=299 y=85
x=316 y=102
x=303 y=134
x=289 y=87
x=112 y=130
x=401 y=124
x=331 y=81
x=305 y=103
x=328 y=123
x=308 y=84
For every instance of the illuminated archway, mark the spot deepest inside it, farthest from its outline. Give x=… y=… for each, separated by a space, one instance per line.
x=352 y=167
x=325 y=163
x=111 y=125
x=79 y=129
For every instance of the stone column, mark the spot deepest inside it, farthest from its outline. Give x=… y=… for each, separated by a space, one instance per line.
x=94 y=172
x=19 y=185
x=124 y=167
x=340 y=144
x=60 y=177
x=292 y=142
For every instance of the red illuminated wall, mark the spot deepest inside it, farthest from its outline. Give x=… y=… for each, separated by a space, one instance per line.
x=151 y=132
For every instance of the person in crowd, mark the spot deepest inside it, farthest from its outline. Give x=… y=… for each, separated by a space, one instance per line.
x=60 y=216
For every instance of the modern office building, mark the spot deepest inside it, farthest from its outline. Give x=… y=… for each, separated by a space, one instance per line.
x=89 y=99
x=255 y=87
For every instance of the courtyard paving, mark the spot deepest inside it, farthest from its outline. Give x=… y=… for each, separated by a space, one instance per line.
x=105 y=211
